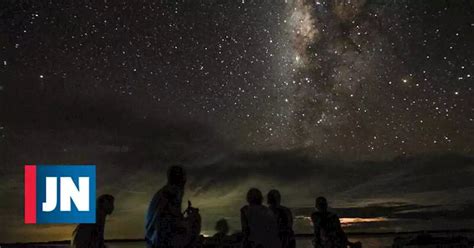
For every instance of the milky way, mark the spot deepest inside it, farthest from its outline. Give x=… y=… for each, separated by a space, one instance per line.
x=350 y=77
x=362 y=79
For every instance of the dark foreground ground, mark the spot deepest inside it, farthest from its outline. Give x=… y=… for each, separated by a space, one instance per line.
x=369 y=240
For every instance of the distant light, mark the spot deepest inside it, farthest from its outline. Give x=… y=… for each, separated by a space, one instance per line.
x=354 y=221
x=41 y=76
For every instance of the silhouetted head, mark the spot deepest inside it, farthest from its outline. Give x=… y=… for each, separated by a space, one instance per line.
x=273 y=197
x=321 y=204
x=222 y=226
x=254 y=197
x=176 y=176
x=105 y=203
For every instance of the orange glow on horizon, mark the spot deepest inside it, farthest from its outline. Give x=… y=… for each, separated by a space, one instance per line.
x=346 y=222
x=352 y=221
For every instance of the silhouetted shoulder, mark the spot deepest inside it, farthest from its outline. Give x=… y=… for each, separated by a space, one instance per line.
x=332 y=216
x=327 y=215
x=169 y=191
x=315 y=215
x=281 y=213
x=286 y=210
x=85 y=236
x=244 y=209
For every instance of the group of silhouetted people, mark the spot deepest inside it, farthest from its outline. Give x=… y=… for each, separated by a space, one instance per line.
x=167 y=226
x=264 y=226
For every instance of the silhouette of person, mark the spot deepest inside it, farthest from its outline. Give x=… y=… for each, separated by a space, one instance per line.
x=328 y=232
x=166 y=226
x=92 y=235
x=222 y=228
x=192 y=226
x=259 y=225
x=221 y=238
x=284 y=219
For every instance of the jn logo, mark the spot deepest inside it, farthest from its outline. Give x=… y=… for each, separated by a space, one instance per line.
x=59 y=194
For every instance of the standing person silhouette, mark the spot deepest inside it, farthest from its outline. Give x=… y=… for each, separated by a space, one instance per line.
x=166 y=226
x=92 y=235
x=284 y=219
x=259 y=225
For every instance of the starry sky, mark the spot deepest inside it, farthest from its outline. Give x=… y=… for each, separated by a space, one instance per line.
x=273 y=93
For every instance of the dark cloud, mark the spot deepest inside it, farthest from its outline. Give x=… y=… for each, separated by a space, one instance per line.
x=401 y=211
x=132 y=158
x=407 y=175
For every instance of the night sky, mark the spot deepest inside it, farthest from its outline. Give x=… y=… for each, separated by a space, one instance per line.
x=367 y=102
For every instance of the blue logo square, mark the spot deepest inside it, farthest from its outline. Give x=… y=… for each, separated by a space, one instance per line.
x=69 y=202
